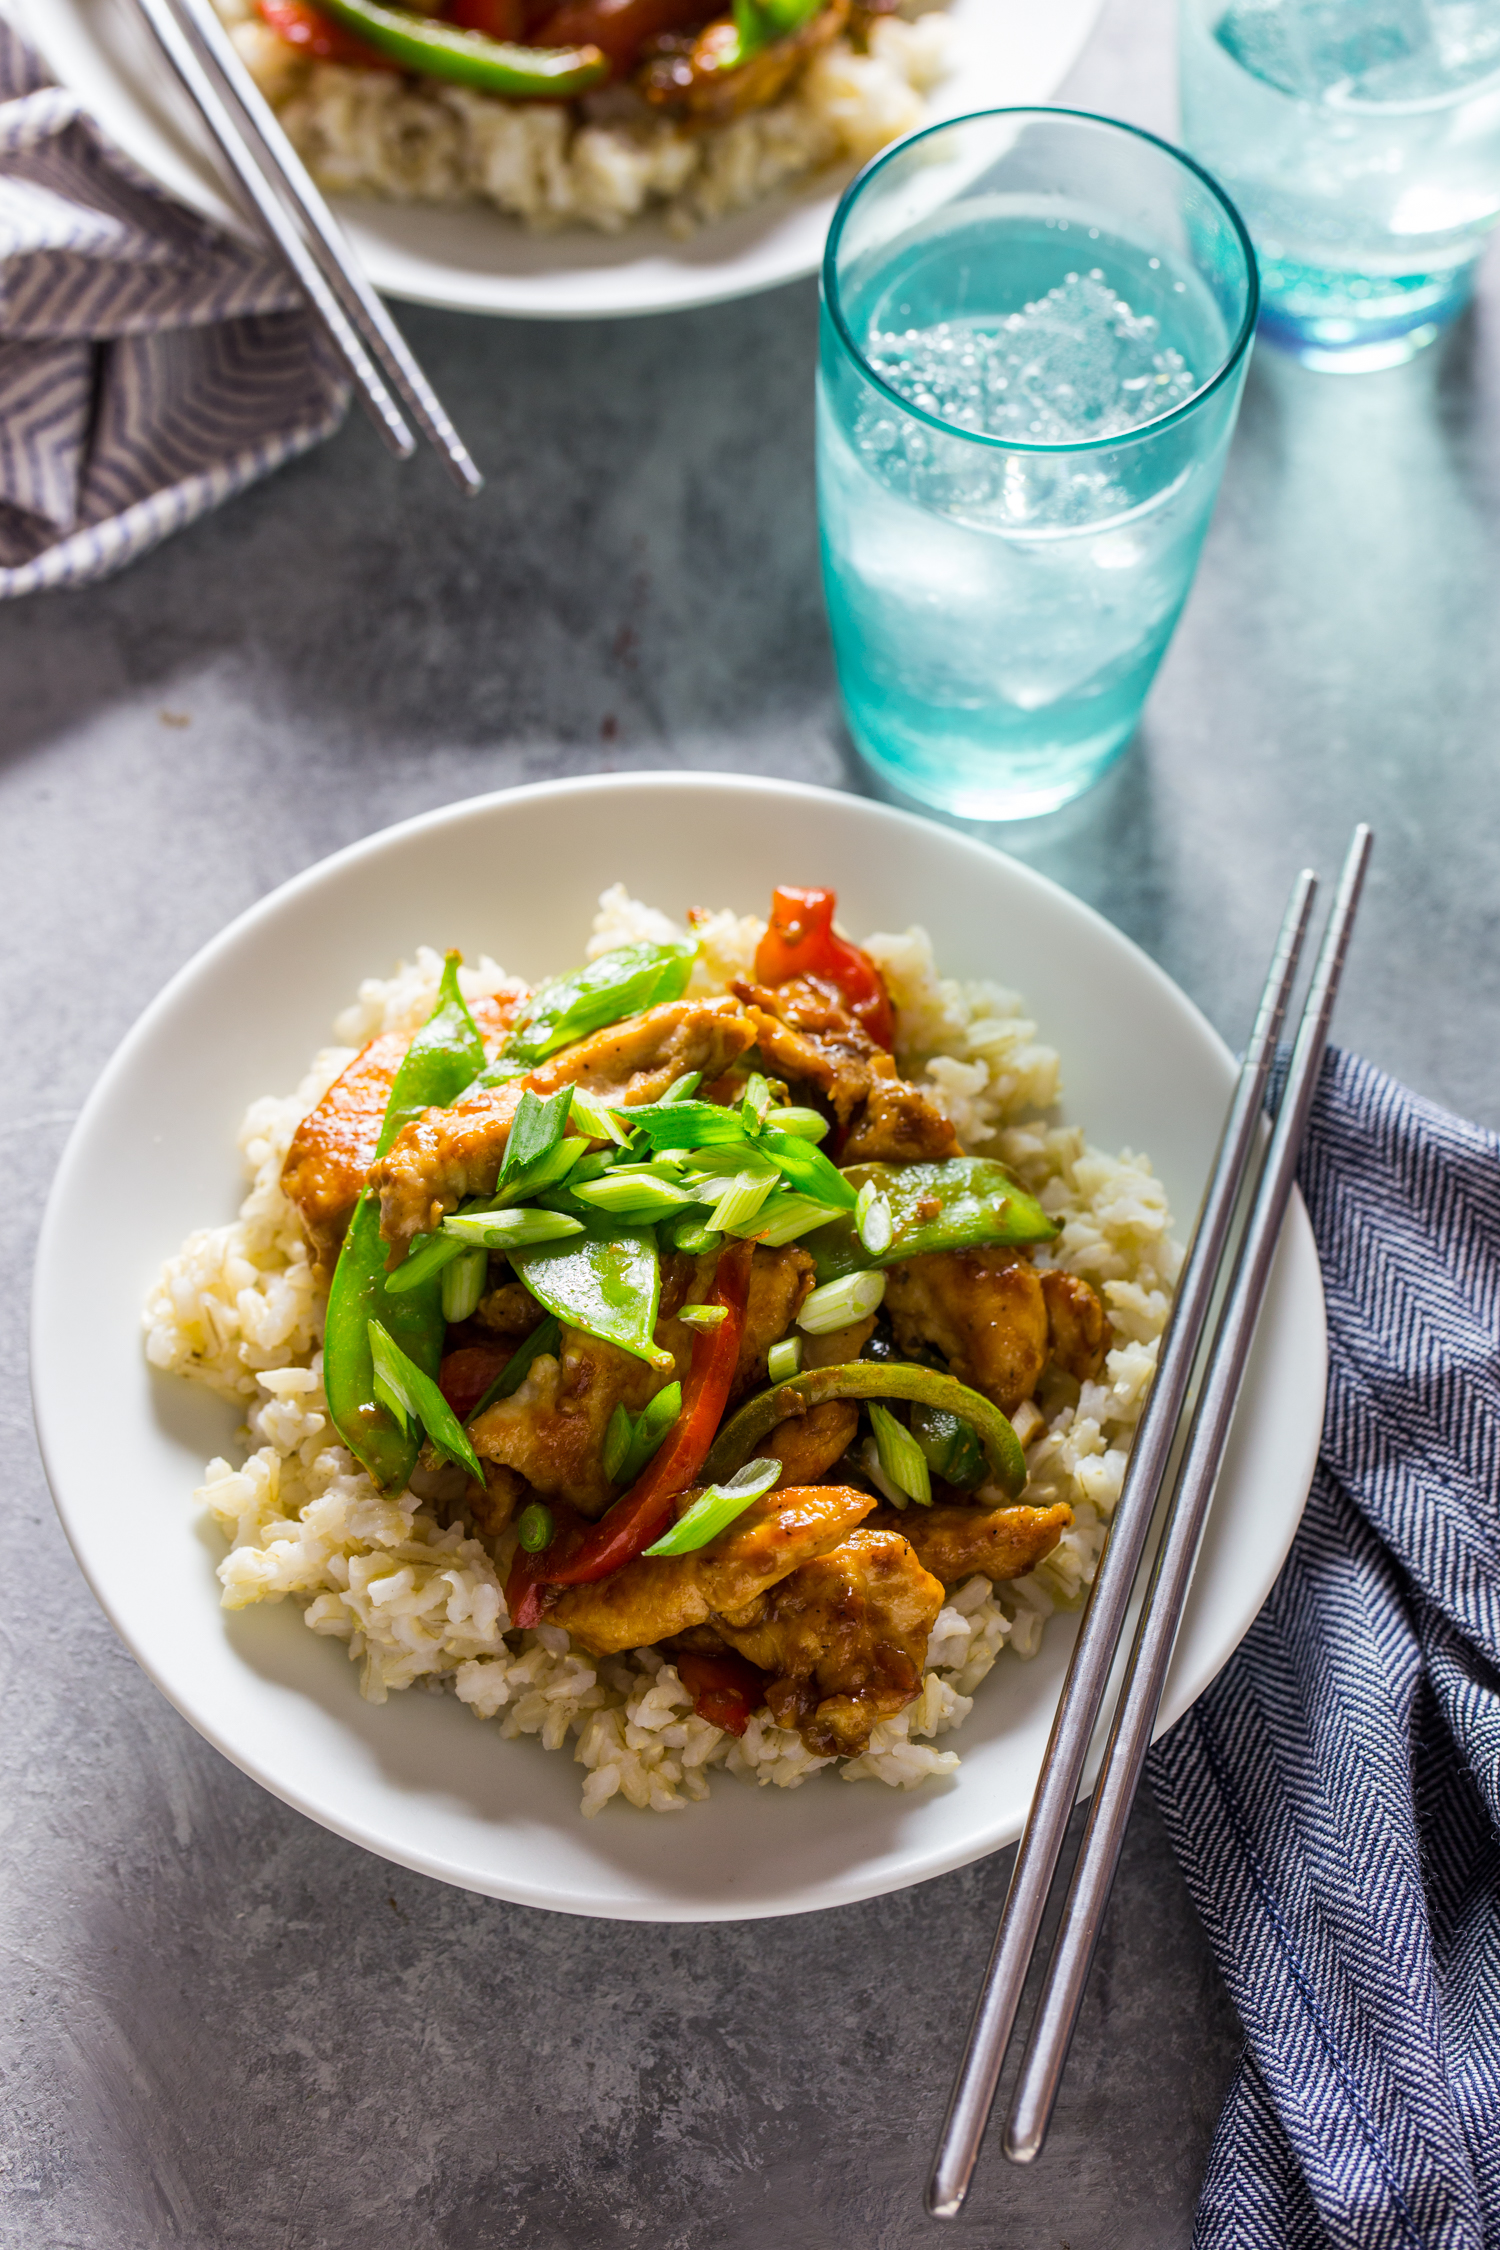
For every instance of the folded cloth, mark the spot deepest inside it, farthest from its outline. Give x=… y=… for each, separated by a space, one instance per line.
x=150 y=364
x=1334 y=1798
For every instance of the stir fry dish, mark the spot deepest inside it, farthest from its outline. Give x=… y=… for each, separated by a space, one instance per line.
x=692 y=1307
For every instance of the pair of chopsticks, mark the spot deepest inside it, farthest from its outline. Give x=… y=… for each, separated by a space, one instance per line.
x=1104 y=1619
x=303 y=228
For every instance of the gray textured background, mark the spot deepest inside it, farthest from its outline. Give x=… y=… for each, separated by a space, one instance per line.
x=225 y=2028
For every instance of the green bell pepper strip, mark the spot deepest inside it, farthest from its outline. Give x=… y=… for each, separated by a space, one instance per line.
x=977 y=1201
x=547 y=1337
x=438 y=1064
x=434 y=49
x=863 y=1378
x=949 y=1446
x=606 y=1282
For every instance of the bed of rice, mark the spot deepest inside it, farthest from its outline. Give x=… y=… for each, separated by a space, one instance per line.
x=417 y=1604
x=418 y=141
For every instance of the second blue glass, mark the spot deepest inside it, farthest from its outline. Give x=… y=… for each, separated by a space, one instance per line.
x=1035 y=325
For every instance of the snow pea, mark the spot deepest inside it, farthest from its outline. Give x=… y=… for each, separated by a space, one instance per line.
x=952 y=1206
x=438 y=1064
x=621 y=983
x=606 y=1281
x=433 y=49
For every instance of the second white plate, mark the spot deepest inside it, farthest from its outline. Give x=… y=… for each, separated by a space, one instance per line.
x=473 y=259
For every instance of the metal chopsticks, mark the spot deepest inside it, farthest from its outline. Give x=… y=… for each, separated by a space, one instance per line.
x=361 y=331
x=1145 y=1678
x=1104 y=1618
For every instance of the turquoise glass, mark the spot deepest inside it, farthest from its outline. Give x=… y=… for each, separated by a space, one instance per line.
x=1034 y=334
x=1361 y=141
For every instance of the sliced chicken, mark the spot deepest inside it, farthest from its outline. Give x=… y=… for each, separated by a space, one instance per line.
x=808 y=1445
x=1077 y=1325
x=552 y=1428
x=779 y=1281
x=657 y=1596
x=691 y=75
x=806 y=1037
x=838 y=1346
x=899 y=1124
x=448 y=1154
x=955 y=1543
x=984 y=1310
x=334 y=1146
x=845 y=1638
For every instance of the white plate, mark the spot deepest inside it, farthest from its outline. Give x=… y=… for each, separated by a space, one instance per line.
x=473 y=259
x=421 y=1780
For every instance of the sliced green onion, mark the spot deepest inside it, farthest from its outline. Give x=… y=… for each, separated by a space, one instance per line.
x=686 y=1124
x=545 y=1337
x=808 y=1169
x=548 y=1171
x=511 y=1230
x=632 y=1197
x=872 y=1219
x=463 y=1283
x=784 y=1216
x=413 y=1396
x=690 y=1235
x=784 y=1359
x=716 y=1161
x=869 y=1454
x=538 y=1125
x=428 y=1255
x=651 y=1426
x=617 y=1439
x=534 y=1527
x=742 y=1197
x=703 y=1316
x=594 y=1117
x=714 y=1510
x=680 y=1088
x=838 y=1304
x=900 y=1455
x=591 y=1167
x=756 y=1106
x=805 y=1124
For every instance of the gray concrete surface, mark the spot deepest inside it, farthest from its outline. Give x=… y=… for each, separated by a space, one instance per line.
x=224 y=2028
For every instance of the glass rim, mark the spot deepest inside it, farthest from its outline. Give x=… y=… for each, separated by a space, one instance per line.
x=832 y=295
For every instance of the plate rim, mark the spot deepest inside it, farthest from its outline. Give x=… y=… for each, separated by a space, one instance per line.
x=848 y=1888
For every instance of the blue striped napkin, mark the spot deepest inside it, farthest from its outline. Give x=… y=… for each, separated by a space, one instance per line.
x=150 y=365
x=1334 y=1798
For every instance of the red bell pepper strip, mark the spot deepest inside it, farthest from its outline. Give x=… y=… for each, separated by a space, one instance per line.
x=465 y=1375
x=645 y=1510
x=312 y=33
x=726 y=1690
x=801 y=942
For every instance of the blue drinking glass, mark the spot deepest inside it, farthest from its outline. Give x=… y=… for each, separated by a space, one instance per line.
x=1361 y=141
x=1034 y=334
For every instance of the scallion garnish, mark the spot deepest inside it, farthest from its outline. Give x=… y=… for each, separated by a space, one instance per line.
x=873 y=1221
x=900 y=1455
x=805 y=1124
x=511 y=1230
x=428 y=1255
x=689 y=1234
x=784 y=1216
x=838 y=1304
x=755 y=1108
x=783 y=1360
x=716 y=1509
x=463 y=1284
x=594 y=1117
x=629 y=1195
x=703 y=1316
x=534 y=1527
x=617 y=1439
x=742 y=1197
x=651 y=1426
x=412 y=1396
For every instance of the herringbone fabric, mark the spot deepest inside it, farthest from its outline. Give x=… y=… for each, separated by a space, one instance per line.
x=150 y=365
x=1335 y=1797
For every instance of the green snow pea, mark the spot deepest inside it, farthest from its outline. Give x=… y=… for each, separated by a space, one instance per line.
x=606 y=1281
x=435 y=49
x=559 y=1013
x=742 y=1434
x=438 y=1064
x=952 y=1206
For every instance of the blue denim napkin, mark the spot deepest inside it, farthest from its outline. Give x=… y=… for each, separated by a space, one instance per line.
x=1334 y=1798
x=150 y=364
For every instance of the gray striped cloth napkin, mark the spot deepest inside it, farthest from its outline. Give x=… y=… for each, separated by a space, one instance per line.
x=150 y=364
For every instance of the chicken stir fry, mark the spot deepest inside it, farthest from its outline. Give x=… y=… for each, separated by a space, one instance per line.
x=715 y=1325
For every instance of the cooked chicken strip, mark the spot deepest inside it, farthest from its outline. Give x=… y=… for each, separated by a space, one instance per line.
x=552 y=1428
x=334 y=1146
x=779 y=1281
x=448 y=1154
x=808 y=1445
x=657 y=1596
x=807 y=1038
x=984 y=1310
x=955 y=1542
x=845 y=1636
x=899 y=1124
x=1077 y=1325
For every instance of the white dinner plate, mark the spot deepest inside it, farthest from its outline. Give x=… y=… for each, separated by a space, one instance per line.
x=420 y=1779
x=475 y=260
